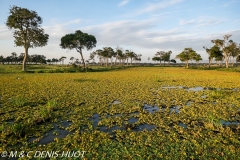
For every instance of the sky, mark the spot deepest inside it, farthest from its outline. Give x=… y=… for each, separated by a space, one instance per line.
x=143 y=26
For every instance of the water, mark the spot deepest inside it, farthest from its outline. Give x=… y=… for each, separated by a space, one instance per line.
x=227 y=123
x=198 y=88
x=182 y=125
x=175 y=109
x=133 y=120
x=57 y=132
x=95 y=119
x=195 y=89
x=116 y=102
x=131 y=124
x=150 y=109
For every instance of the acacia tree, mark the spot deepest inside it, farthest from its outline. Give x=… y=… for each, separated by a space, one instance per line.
x=62 y=59
x=186 y=55
x=78 y=41
x=160 y=54
x=166 y=57
x=227 y=47
x=119 y=54
x=130 y=54
x=213 y=52
x=235 y=52
x=27 y=30
x=197 y=58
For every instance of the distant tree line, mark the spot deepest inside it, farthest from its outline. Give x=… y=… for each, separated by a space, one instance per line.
x=31 y=59
x=163 y=56
x=117 y=56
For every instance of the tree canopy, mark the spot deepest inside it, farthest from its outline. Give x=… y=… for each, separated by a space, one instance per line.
x=78 y=41
x=186 y=55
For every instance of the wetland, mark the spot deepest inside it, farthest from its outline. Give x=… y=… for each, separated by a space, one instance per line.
x=135 y=113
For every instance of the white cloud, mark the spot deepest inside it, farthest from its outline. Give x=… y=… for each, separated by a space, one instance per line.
x=156 y=6
x=202 y=21
x=122 y=3
x=5 y=33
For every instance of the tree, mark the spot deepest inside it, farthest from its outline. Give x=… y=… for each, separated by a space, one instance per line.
x=138 y=58
x=72 y=59
x=197 y=58
x=238 y=58
x=235 y=52
x=156 y=59
x=14 y=57
x=186 y=55
x=27 y=30
x=1 y=59
x=99 y=53
x=226 y=46
x=119 y=54
x=131 y=55
x=173 y=61
x=166 y=57
x=160 y=54
x=213 y=52
x=92 y=55
x=107 y=52
x=78 y=41
x=62 y=59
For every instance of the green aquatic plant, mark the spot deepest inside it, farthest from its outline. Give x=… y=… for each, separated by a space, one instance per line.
x=60 y=97
x=217 y=94
x=18 y=101
x=214 y=120
x=52 y=105
x=18 y=129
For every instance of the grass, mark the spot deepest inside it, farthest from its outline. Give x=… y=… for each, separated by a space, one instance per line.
x=76 y=97
x=6 y=69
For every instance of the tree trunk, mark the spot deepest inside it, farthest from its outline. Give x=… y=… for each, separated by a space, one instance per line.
x=84 y=66
x=25 y=59
x=210 y=61
x=226 y=62
x=233 y=62
x=106 y=62
x=115 y=61
x=131 y=61
x=186 y=64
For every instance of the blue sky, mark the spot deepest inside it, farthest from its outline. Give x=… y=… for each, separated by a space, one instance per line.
x=144 y=26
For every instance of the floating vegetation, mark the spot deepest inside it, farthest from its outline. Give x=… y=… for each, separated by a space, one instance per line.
x=136 y=113
x=18 y=101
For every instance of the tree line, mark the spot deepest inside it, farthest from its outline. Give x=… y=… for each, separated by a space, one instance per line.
x=119 y=55
x=222 y=50
x=31 y=59
x=29 y=34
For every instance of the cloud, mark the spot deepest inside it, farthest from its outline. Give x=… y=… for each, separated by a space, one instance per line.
x=135 y=33
x=57 y=31
x=202 y=21
x=5 y=33
x=122 y=3
x=156 y=6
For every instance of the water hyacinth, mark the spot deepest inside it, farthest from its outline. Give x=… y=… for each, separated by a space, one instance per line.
x=135 y=113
